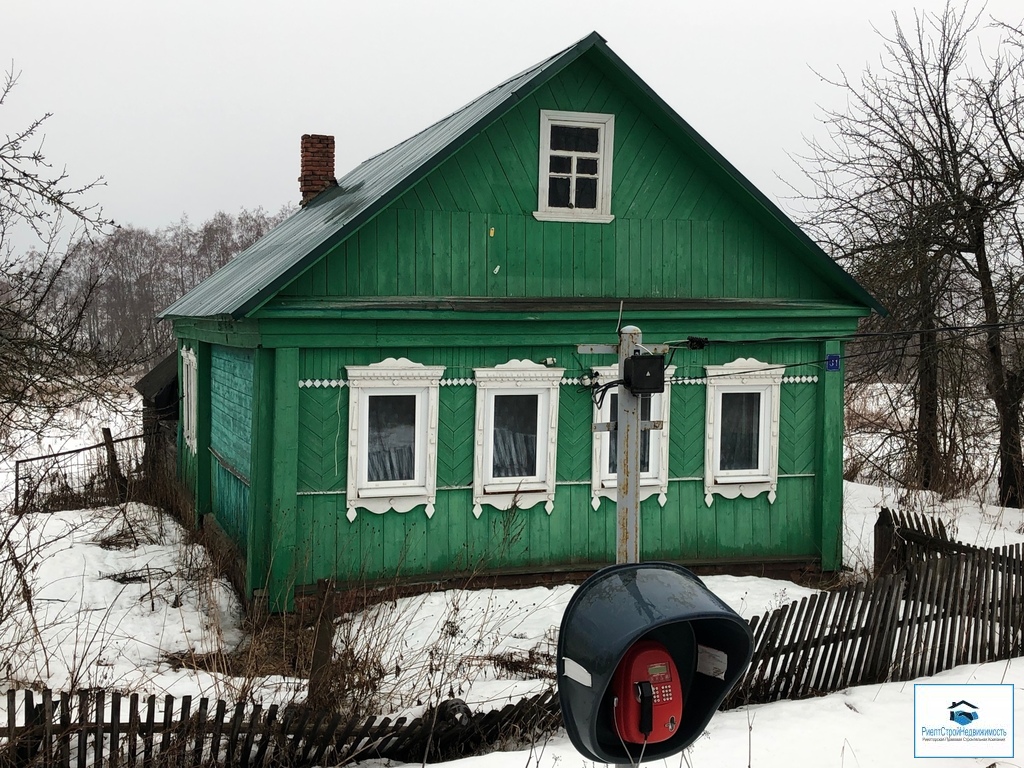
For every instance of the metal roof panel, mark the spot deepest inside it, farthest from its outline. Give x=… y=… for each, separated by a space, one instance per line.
x=253 y=276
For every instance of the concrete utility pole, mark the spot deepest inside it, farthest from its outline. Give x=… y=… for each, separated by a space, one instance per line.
x=628 y=428
x=627 y=438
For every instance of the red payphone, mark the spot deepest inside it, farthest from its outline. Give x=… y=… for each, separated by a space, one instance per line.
x=648 y=694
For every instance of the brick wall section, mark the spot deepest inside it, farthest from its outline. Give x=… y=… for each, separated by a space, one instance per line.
x=317 y=166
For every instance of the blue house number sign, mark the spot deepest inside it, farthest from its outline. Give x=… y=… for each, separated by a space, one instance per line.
x=832 y=363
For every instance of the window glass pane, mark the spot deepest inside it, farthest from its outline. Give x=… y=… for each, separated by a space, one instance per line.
x=558 y=192
x=741 y=429
x=574 y=138
x=645 y=437
x=586 y=166
x=561 y=164
x=586 y=192
x=515 y=436
x=391 y=438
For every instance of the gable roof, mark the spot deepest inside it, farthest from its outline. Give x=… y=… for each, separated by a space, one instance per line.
x=254 y=276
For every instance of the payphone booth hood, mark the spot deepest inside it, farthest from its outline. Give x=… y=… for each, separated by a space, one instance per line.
x=622 y=604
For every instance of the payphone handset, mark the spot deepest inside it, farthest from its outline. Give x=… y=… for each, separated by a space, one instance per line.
x=648 y=694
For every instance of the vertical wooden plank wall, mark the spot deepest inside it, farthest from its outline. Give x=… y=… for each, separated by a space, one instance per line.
x=830 y=466
x=381 y=546
x=258 y=556
x=203 y=417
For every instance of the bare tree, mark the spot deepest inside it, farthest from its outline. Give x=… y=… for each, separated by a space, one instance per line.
x=136 y=272
x=46 y=361
x=920 y=192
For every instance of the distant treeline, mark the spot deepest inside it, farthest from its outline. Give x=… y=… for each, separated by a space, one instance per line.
x=134 y=273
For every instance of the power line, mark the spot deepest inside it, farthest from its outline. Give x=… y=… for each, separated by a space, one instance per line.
x=696 y=342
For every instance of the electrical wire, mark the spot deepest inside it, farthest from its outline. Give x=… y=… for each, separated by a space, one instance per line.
x=976 y=329
x=599 y=391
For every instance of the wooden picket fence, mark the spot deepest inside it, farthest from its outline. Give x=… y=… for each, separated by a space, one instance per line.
x=91 y=729
x=946 y=604
x=938 y=604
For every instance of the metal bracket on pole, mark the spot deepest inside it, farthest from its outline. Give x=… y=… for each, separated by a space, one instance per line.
x=611 y=426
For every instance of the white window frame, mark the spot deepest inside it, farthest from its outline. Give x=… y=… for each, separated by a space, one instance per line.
x=516 y=377
x=605 y=124
x=189 y=397
x=604 y=484
x=743 y=375
x=392 y=377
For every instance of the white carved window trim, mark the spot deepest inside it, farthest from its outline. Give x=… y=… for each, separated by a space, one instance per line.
x=392 y=377
x=516 y=377
x=189 y=397
x=605 y=124
x=604 y=484
x=743 y=375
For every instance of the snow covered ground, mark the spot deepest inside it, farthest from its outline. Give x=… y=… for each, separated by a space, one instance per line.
x=113 y=591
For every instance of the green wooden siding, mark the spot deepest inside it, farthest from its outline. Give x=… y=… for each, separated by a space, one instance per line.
x=453 y=541
x=230 y=499
x=186 y=464
x=678 y=231
x=231 y=418
x=393 y=544
x=231 y=385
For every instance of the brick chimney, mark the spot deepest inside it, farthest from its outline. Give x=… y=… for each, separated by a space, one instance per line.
x=317 y=167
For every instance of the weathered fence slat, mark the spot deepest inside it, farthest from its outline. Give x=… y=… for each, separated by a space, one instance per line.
x=218 y=724
x=65 y=729
x=236 y=726
x=83 y=722
x=133 y=729
x=147 y=738
x=266 y=734
x=197 y=750
x=824 y=645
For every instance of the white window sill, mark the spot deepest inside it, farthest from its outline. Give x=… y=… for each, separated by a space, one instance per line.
x=569 y=215
x=519 y=486
x=761 y=477
x=384 y=491
x=644 y=481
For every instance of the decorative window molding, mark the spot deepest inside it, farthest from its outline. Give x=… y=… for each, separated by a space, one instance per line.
x=741 y=444
x=392 y=436
x=575 y=175
x=189 y=396
x=516 y=435
x=321 y=383
x=653 y=478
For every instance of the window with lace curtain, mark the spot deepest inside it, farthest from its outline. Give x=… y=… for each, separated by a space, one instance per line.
x=189 y=397
x=392 y=450
x=654 y=444
x=741 y=453
x=516 y=435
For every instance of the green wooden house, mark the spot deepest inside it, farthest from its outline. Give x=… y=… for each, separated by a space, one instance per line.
x=388 y=383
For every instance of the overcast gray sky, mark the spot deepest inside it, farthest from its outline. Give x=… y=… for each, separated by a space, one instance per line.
x=197 y=106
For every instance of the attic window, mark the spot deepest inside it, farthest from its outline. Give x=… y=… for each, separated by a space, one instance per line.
x=575 y=166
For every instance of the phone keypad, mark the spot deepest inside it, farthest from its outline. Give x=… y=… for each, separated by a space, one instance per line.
x=662 y=693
